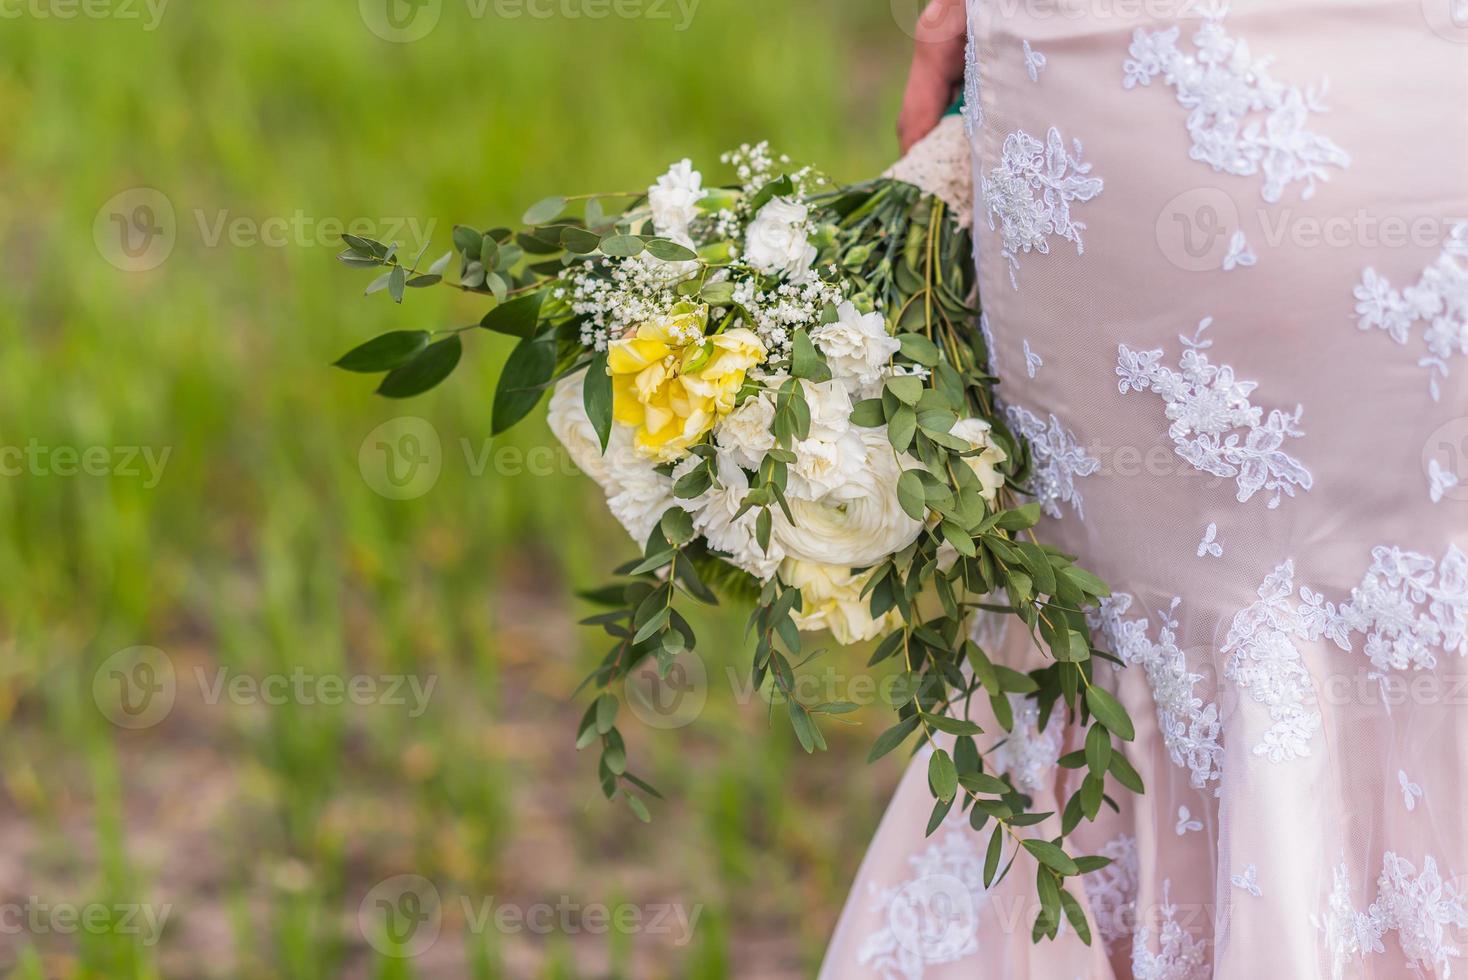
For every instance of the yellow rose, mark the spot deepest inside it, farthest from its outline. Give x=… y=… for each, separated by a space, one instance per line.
x=670 y=383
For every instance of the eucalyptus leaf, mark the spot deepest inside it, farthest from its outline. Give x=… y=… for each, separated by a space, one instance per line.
x=385 y=352
x=424 y=370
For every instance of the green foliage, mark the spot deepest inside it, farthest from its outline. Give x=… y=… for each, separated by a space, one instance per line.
x=897 y=251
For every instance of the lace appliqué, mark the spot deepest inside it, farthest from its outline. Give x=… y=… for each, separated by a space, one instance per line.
x=1248 y=881
x=1033 y=361
x=1186 y=824
x=1265 y=664
x=1035 y=62
x=1028 y=755
x=1207 y=405
x=1439 y=299
x=1419 y=907
x=1408 y=607
x=1179 y=956
x=1242 y=121
x=1411 y=792
x=1210 y=547
x=1240 y=254
x=1029 y=195
x=1058 y=461
x=1112 y=890
x=1190 y=726
x=1439 y=481
x=932 y=918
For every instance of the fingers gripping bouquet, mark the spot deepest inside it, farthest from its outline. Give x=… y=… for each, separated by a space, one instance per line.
x=778 y=384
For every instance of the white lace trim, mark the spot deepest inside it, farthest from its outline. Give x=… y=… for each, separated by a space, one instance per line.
x=973 y=107
x=1190 y=726
x=1179 y=956
x=1439 y=298
x=932 y=917
x=1418 y=907
x=1242 y=121
x=1112 y=891
x=1029 y=195
x=1057 y=460
x=1215 y=427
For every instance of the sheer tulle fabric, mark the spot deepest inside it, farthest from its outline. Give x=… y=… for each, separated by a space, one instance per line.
x=1224 y=258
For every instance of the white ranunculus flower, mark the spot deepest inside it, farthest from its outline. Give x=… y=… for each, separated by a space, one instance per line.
x=744 y=434
x=827 y=467
x=674 y=200
x=569 y=423
x=857 y=347
x=976 y=432
x=831 y=599
x=859 y=523
x=714 y=519
x=830 y=459
x=638 y=495
x=777 y=242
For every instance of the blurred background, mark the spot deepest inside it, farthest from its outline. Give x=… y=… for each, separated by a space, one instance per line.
x=284 y=665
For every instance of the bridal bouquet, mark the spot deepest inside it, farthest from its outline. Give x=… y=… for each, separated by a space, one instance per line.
x=778 y=385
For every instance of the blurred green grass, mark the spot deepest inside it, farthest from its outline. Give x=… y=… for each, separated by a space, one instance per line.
x=263 y=550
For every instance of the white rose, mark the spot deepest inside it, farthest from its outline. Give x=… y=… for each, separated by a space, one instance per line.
x=777 y=241
x=569 y=422
x=744 y=434
x=985 y=465
x=857 y=347
x=831 y=599
x=714 y=519
x=674 y=200
x=859 y=523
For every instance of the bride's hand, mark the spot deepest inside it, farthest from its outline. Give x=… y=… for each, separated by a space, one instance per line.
x=937 y=70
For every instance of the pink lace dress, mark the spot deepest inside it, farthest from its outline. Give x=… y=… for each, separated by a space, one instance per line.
x=1224 y=258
